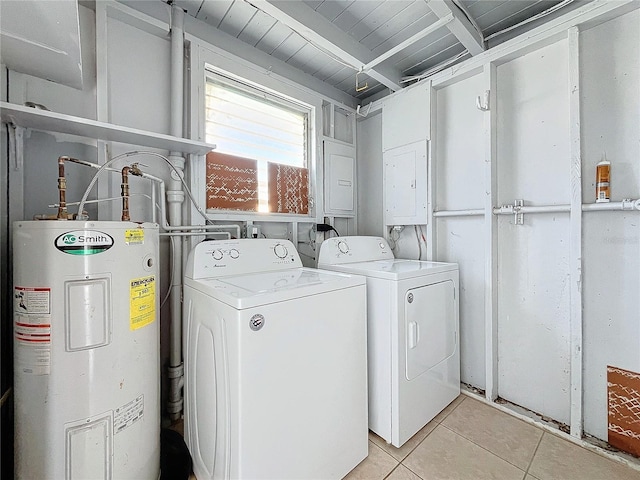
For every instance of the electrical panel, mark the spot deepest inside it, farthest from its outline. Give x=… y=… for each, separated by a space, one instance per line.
x=339 y=179
x=405 y=175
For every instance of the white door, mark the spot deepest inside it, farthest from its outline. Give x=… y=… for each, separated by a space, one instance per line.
x=430 y=323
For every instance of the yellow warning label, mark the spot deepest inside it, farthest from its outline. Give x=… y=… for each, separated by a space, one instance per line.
x=142 y=309
x=134 y=237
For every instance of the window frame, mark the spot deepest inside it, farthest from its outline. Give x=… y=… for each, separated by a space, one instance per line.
x=275 y=97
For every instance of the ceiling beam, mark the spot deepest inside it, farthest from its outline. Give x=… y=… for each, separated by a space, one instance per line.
x=464 y=30
x=227 y=46
x=316 y=29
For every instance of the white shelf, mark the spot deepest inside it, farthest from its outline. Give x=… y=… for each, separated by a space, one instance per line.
x=44 y=120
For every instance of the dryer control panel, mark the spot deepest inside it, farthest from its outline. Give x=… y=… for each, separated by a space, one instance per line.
x=338 y=250
x=220 y=258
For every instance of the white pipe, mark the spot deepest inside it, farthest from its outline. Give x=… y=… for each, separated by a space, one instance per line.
x=154 y=213
x=626 y=204
x=513 y=209
x=177 y=70
x=409 y=41
x=175 y=198
x=458 y=213
x=195 y=234
x=98 y=200
x=163 y=215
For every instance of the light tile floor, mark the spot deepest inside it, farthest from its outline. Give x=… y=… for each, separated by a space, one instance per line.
x=470 y=440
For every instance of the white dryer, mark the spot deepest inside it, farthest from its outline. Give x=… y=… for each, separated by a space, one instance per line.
x=275 y=364
x=413 y=341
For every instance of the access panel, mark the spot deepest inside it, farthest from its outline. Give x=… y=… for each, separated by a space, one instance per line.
x=405 y=183
x=430 y=318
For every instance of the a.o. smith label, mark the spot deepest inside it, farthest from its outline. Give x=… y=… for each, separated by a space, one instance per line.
x=84 y=242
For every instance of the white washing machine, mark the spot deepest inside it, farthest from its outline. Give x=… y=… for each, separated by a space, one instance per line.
x=413 y=341
x=275 y=364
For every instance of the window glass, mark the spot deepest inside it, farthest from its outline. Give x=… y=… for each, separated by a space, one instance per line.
x=248 y=124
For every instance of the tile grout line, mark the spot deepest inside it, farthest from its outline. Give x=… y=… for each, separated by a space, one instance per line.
x=581 y=442
x=483 y=448
x=411 y=471
x=394 y=469
x=534 y=455
x=452 y=410
x=425 y=437
x=386 y=453
x=417 y=445
x=383 y=451
x=400 y=462
x=373 y=445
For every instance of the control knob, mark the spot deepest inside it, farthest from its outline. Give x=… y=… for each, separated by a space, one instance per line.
x=280 y=251
x=233 y=253
x=217 y=254
x=343 y=247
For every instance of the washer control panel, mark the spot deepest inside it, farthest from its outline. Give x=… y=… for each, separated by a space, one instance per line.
x=354 y=249
x=217 y=258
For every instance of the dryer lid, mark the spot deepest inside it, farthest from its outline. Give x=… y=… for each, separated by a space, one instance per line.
x=252 y=290
x=393 y=269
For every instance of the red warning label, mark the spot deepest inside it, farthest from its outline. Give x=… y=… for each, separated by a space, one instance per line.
x=32 y=329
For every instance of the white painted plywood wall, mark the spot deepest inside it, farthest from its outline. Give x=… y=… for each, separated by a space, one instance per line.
x=533 y=259
x=138 y=96
x=369 y=172
x=540 y=129
x=610 y=102
x=459 y=173
x=138 y=78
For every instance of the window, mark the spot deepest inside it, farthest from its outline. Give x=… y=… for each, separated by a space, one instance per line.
x=261 y=160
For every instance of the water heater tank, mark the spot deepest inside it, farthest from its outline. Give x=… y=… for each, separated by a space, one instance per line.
x=86 y=350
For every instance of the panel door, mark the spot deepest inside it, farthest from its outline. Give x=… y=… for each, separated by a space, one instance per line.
x=430 y=323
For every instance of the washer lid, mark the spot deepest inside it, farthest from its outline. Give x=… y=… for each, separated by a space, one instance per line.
x=393 y=269
x=252 y=290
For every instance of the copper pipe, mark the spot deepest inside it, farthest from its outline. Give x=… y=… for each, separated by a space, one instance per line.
x=62 y=188
x=45 y=217
x=125 y=194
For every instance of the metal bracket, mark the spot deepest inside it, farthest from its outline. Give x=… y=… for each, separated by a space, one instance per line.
x=16 y=146
x=518 y=215
x=364 y=87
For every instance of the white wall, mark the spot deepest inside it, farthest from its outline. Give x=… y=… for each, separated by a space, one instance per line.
x=533 y=259
x=369 y=170
x=459 y=171
x=137 y=96
x=533 y=158
x=610 y=101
